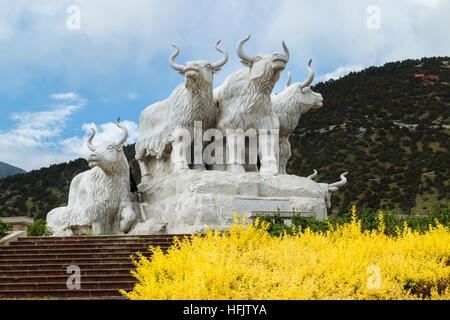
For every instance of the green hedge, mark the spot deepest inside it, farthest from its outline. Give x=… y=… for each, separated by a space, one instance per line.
x=39 y=229
x=369 y=221
x=3 y=229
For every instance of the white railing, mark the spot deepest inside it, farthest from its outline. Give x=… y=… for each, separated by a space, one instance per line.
x=12 y=236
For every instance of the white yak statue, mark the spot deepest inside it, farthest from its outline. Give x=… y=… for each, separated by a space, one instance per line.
x=99 y=199
x=289 y=105
x=244 y=102
x=159 y=150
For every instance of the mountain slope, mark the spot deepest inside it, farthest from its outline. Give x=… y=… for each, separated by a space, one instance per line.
x=386 y=127
x=9 y=170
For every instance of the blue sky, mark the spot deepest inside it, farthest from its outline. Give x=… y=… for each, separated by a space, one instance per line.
x=57 y=82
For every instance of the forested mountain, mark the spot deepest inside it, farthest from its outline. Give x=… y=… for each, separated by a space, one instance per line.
x=9 y=170
x=387 y=126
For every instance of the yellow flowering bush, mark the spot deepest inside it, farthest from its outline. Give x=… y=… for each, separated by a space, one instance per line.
x=342 y=263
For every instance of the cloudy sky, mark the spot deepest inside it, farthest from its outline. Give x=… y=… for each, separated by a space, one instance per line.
x=60 y=75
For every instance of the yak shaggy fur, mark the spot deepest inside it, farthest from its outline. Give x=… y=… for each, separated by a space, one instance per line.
x=189 y=102
x=96 y=196
x=245 y=104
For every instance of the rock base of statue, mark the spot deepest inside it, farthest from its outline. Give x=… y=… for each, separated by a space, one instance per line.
x=192 y=200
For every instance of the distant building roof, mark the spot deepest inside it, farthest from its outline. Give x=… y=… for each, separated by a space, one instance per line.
x=432 y=77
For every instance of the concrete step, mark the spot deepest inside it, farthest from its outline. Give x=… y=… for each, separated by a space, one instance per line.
x=62 y=293
x=36 y=267
x=118 y=237
x=64 y=261
x=58 y=255
x=110 y=242
x=62 y=272
x=10 y=251
x=81 y=246
x=63 y=278
x=63 y=266
x=62 y=285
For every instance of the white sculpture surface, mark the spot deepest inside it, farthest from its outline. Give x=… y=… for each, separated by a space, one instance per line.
x=185 y=201
x=329 y=188
x=244 y=102
x=173 y=199
x=289 y=105
x=159 y=123
x=191 y=201
x=99 y=199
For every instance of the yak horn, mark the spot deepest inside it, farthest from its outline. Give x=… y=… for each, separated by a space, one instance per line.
x=339 y=183
x=172 y=59
x=240 y=51
x=89 y=142
x=288 y=82
x=310 y=77
x=313 y=175
x=125 y=133
x=286 y=51
x=224 y=58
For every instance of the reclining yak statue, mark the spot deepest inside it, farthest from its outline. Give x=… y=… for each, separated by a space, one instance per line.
x=159 y=150
x=289 y=105
x=99 y=199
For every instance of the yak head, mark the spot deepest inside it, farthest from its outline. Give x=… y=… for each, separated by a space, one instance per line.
x=329 y=188
x=306 y=98
x=109 y=154
x=199 y=70
x=268 y=65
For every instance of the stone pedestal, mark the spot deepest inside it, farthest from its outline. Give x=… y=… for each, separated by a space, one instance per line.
x=18 y=223
x=192 y=200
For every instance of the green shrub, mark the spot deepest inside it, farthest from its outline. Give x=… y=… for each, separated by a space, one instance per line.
x=368 y=218
x=39 y=229
x=3 y=229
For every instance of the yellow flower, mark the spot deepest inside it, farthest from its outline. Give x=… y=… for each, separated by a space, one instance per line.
x=343 y=263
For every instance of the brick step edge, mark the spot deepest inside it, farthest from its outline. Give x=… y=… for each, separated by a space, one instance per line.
x=63 y=278
x=59 y=256
x=112 y=285
x=37 y=250
x=63 y=272
x=119 y=237
x=63 y=261
x=63 y=266
x=65 y=293
x=86 y=242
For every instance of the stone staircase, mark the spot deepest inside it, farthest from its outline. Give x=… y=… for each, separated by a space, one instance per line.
x=36 y=267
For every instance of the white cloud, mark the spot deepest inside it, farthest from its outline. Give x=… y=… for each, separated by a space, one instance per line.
x=34 y=129
x=133 y=96
x=335 y=33
x=340 y=72
x=36 y=141
x=104 y=132
x=427 y=3
x=139 y=33
x=65 y=96
x=30 y=142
